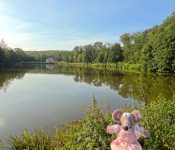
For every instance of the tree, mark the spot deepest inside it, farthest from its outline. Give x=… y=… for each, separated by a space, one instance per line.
x=101 y=56
x=20 y=54
x=115 y=53
x=86 y=57
x=159 y=50
x=138 y=39
x=1 y=56
x=126 y=40
x=88 y=54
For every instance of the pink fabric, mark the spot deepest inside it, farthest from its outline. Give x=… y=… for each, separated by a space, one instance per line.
x=126 y=140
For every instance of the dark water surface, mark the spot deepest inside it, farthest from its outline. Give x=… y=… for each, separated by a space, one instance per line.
x=44 y=96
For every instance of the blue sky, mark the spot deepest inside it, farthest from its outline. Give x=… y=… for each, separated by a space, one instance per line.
x=63 y=24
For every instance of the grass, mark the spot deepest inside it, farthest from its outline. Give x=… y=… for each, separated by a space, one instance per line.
x=129 y=67
x=114 y=66
x=89 y=132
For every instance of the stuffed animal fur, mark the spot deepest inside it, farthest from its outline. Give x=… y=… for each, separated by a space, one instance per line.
x=128 y=132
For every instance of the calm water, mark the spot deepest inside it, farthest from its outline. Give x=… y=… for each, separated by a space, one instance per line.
x=45 y=96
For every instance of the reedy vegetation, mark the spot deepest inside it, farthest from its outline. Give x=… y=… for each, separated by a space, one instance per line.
x=89 y=132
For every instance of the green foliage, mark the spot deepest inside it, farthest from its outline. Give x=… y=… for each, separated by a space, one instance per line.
x=126 y=40
x=159 y=54
x=153 y=48
x=9 y=57
x=90 y=131
x=129 y=67
x=41 y=56
x=101 y=57
x=1 y=56
x=87 y=54
x=115 y=54
x=159 y=120
x=38 y=141
x=91 y=53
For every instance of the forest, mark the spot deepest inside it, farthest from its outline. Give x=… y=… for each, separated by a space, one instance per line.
x=9 y=57
x=153 y=49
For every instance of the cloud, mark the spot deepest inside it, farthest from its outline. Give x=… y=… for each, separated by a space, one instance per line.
x=28 y=35
x=12 y=30
x=9 y=23
x=53 y=40
x=63 y=38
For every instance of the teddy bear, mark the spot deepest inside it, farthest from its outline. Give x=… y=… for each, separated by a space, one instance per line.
x=128 y=132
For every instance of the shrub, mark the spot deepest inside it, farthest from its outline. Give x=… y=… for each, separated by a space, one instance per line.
x=90 y=131
x=28 y=141
x=159 y=120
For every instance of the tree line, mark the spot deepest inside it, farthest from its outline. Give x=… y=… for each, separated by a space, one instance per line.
x=153 y=48
x=9 y=57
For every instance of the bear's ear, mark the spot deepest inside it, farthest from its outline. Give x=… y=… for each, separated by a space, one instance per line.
x=116 y=115
x=137 y=115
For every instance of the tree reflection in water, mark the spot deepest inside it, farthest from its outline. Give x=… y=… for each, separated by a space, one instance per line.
x=7 y=76
x=138 y=86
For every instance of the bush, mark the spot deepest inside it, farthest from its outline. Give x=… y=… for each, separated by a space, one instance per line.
x=38 y=141
x=159 y=120
x=90 y=131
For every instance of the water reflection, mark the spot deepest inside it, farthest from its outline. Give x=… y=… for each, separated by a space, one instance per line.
x=2 y=123
x=50 y=66
x=6 y=77
x=136 y=86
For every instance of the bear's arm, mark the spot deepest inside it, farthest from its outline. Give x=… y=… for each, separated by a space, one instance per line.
x=140 y=131
x=111 y=129
x=145 y=133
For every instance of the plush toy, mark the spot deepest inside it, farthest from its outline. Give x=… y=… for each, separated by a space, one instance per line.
x=129 y=131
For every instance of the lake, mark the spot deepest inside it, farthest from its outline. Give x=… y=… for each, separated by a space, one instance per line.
x=34 y=97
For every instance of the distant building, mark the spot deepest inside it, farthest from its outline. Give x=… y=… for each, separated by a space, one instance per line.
x=50 y=60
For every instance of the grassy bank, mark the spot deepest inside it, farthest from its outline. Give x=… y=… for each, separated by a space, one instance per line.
x=118 y=66
x=90 y=131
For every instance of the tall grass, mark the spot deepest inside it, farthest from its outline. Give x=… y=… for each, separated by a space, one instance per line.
x=90 y=131
x=113 y=66
x=129 y=67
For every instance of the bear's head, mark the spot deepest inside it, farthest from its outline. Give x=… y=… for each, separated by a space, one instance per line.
x=128 y=120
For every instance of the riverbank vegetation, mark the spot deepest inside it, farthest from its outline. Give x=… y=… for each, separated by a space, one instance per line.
x=89 y=132
x=122 y=66
x=149 y=50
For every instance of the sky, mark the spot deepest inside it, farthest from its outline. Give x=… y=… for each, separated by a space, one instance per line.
x=63 y=24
